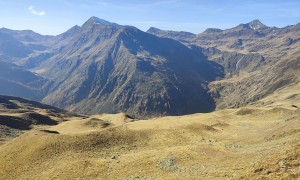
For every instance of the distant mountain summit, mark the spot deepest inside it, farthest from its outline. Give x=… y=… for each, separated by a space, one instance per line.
x=177 y=35
x=212 y=30
x=256 y=25
x=253 y=29
x=94 y=20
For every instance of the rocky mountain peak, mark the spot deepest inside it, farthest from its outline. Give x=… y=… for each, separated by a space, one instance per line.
x=72 y=31
x=256 y=24
x=97 y=21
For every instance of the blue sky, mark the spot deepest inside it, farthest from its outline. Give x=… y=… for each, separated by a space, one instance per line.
x=54 y=17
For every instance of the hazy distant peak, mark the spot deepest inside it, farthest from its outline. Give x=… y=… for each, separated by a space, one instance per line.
x=17 y=31
x=153 y=29
x=256 y=24
x=76 y=27
x=94 y=20
x=72 y=31
x=99 y=21
x=3 y=28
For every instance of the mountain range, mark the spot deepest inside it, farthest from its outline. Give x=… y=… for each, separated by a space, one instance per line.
x=104 y=67
x=245 y=81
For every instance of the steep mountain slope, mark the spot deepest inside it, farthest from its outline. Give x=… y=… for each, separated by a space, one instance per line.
x=34 y=60
x=235 y=63
x=258 y=61
x=105 y=67
x=12 y=49
x=280 y=69
x=239 y=91
x=32 y=40
x=26 y=36
x=16 y=81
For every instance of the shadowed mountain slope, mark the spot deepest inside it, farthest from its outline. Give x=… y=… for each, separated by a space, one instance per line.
x=16 y=81
x=258 y=61
x=11 y=48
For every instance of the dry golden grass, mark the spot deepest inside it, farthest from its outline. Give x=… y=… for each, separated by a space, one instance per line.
x=225 y=144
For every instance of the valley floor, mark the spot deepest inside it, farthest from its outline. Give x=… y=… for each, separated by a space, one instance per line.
x=249 y=143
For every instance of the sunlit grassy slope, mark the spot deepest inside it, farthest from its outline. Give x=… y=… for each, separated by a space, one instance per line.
x=250 y=142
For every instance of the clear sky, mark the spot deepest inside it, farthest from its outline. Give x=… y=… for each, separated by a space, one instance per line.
x=53 y=17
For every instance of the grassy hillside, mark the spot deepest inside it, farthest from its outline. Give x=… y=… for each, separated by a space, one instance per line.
x=220 y=145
